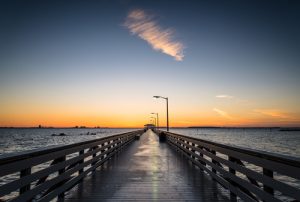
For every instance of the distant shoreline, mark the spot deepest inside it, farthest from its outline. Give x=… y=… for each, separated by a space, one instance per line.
x=188 y=127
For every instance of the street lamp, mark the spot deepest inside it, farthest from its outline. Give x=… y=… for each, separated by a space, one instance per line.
x=154 y=120
x=167 y=109
x=157 y=126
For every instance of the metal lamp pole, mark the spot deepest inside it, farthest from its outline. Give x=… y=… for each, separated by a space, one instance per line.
x=157 y=126
x=154 y=121
x=167 y=102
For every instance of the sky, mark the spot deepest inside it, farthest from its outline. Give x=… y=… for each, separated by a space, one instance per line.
x=99 y=63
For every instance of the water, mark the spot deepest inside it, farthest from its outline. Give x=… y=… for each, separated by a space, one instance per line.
x=266 y=139
x=17 y=140
x=270 y=140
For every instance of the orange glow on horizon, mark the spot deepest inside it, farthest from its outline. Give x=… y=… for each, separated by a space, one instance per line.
x=129 y=111
x=138 y=121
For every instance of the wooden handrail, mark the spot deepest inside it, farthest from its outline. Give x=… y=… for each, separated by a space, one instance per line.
x=223 y=162
x=294 y=161
x=69 y=164
x=16 y=156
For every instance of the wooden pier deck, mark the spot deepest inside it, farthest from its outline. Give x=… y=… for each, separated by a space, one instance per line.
x=122 y=168
x=147 y=170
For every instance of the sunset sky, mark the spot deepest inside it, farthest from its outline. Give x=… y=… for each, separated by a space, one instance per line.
x=99 y=63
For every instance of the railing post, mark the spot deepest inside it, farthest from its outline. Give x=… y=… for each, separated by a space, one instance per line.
x=23 y=173
x=233 y=196
x=94 y=155
x=102 y=150
x=61 y=171
x=193 y=156
x=201 y=155
x=81 y=152
x=268 y=173
x=121 y=142
x=213 y=161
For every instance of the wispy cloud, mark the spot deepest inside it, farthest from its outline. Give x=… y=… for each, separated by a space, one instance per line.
x=222 y=113
x=224 y=96
x=141 y=24
x=234 y=99
x=273 y=113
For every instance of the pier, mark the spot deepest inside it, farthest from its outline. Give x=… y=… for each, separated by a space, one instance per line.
x=147 y=171
x=148 y=165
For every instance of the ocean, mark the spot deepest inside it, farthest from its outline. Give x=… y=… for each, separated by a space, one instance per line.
x=265 y=139
x=272 y=140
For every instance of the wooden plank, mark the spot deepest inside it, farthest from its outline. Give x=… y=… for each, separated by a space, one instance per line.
x=35 y=159
x=263 y=195
x=282 y=187
x=36 y=190
x=147 y=171
x=75 y=180
x=23 y=173
x=222 y=181
x=8 y=158
x=11 y=186
x=278 y=165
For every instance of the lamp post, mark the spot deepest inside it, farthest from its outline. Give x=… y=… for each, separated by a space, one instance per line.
x=154 y=121
x=157 y=126
x=166 y=98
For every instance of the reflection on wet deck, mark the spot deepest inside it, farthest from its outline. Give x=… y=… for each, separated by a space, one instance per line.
x=147 y=171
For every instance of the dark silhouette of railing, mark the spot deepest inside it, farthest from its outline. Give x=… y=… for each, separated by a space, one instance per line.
x=248 y=174
x=44 y=174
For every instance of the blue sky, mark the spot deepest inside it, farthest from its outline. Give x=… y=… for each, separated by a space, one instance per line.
x=83 y=58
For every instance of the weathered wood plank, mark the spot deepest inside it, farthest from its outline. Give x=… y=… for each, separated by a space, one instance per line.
x=147 y=171
x=267 y=161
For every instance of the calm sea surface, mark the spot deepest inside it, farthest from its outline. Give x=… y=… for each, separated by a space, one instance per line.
x=271 y=140
x=16 y=140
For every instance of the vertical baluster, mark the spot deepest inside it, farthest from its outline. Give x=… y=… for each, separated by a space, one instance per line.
x=121 y=141
x=201 y=154
x=94 y=155
x=231 y=170
x=176 y=142
x=268 y=173
x=61 y=171
x=23 y=173
x=102 y=151
x=81 y=152
x=118 y=143
x=112 y=145
x=213 y=161
x=186 y=142
x=193 y=156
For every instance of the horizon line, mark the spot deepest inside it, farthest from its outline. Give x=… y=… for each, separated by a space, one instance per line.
x=107 y=127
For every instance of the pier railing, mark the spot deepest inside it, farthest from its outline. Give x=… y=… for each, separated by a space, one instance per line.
x=44 y=174
x=248 y=174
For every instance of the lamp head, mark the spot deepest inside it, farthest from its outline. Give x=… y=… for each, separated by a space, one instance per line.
x=156 y=96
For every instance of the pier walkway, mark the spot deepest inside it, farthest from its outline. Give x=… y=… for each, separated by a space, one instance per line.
x=147 y=170
x=139 y=166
